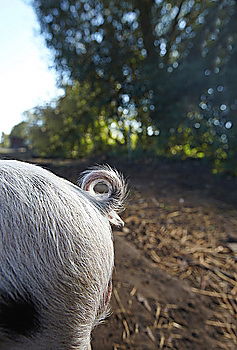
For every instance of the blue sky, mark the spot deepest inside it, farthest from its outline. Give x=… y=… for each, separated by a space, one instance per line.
x=26 y=80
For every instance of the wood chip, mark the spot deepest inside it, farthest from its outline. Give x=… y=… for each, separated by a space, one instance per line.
x=144 y=301
x=150 y=334
x=212 y=294
x=117 y=297
x=173 y=214
x=155 y=257
x=125 y=324
x=162 y=341
x=220 y=324
x=133 y=291
x=136 y=330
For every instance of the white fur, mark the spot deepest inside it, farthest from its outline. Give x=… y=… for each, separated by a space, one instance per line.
x=56 y=247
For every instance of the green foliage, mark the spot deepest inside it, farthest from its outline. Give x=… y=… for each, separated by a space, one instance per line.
x=71 y=126
x=153 y=75
x=20 y=130
x=4 y=141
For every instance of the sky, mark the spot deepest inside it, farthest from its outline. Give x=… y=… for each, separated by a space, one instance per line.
x=25 y=77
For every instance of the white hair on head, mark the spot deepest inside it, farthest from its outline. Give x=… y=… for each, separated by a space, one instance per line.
x=56 y=255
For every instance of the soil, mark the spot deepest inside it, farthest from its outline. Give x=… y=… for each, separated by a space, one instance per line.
x=175 y=277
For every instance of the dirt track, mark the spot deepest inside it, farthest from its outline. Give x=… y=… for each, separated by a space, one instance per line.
x=158 y=299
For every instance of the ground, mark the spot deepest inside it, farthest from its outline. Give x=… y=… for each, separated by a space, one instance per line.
x=175 y=277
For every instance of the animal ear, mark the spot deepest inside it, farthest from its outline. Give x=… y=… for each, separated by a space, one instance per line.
x=115 y=219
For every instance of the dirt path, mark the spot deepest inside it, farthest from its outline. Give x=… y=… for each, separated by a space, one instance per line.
x=150 y=308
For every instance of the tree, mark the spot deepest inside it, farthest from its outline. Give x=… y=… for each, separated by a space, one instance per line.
x=155 y=63
x=4 y=142
x=70 y=126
